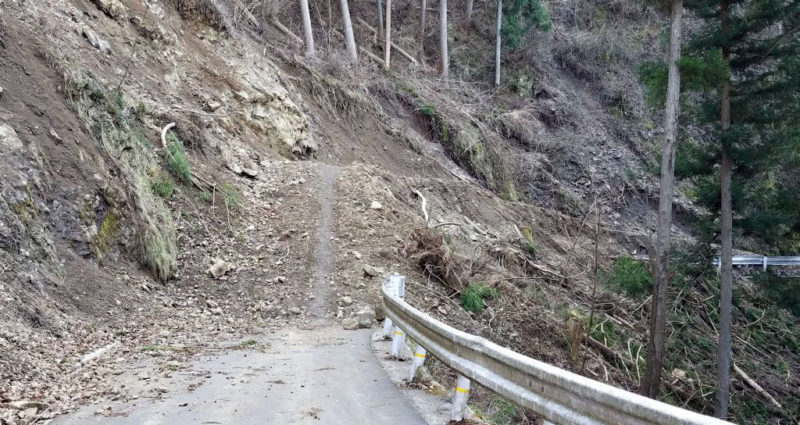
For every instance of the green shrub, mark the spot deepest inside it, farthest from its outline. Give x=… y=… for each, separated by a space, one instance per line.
x=781 y=290
x=232 y=196
x=176 y=159
x=205 y=196
x=473 y=296
x=629 y=276
x=163 y=186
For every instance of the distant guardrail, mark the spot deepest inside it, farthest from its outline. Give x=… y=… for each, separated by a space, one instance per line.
x=557 y=395
x=763 y=261
x=751 y=260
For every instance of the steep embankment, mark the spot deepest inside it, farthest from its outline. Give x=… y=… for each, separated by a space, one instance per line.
x=164 y=249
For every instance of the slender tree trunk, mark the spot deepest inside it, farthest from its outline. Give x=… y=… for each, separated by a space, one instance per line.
x=498 y=42
x=350 y=41
x=469 y=10
x=422 y=33
x=307 y=27
x=444 y=65
x=726 y=260
x=658 y=325
x=387 y=49
x=330 y=21
x=380 y=19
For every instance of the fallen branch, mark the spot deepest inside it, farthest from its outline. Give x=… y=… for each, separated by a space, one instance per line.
x=164 y=134
x=287 y=31
x=446 y=223
x=423 y=206
x=756 y=387
x=99 y=352
x=394 y=46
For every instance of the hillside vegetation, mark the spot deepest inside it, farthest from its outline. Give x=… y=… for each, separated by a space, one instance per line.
x=519 y=212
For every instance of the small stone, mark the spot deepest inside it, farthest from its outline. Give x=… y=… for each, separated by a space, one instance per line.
x=280 y=279
x=212 y=304
x=442 y=311
x=365 y=316
x=9 y=141
x=347 y=300
x=219 y=268
x=95 y=40
x=213 y=105
x=350 y=323
x=249 y=172
x=295 y=310
x=216 y=311
x=371 y=271
x=375 y=205
x=357 y=255
x=2 y=92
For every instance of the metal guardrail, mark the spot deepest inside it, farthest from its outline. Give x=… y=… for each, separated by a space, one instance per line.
x=559 y=396
x=763 y=261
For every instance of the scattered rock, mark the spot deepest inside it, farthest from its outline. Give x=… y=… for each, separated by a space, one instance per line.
x=375 y=205
x=216 y=311
x=365 y=316
x=9 y=141
x=249 y=172
x=2 y=92
x=113 y=8
x=350 y=323
x=380 y=313
x=346 y=300
x=357 y=255
x=442 y=311
x=295 y=310
x=95 y=40
x=212 y=304
x=219 y=268
x=213 y=105
x=372 y=271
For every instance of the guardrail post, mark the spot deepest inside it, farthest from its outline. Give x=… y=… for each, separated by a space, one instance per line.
x=765 y=263
x=417 y=361
x=387 y=328
x=460 y=397
x=397 y=338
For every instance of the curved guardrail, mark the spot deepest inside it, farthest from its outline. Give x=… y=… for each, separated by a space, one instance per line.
x=559 y=396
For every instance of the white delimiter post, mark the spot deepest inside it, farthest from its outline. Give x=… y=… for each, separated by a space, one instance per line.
x=396 y=286
x=387 y=328
x=417 y=361
x=397 y=338
x=460 y=397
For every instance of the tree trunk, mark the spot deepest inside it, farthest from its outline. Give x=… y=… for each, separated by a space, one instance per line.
x=380 y=19
x=307 y=27
x=469 y=10
x=444 y=65
x=497 y=44
x=350 y=41
x=726 y=260
x=387 y=48
x=651 y=381
x=330 y=21
x=422 y=33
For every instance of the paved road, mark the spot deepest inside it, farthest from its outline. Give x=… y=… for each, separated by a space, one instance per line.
x=321 y=376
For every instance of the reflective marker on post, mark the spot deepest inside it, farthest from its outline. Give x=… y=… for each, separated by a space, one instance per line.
x=397 y=339
x=460 y=397
x=416 y=362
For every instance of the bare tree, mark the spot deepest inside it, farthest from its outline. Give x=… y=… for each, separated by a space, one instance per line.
x=388 y=35
x=380 y=18
x=422 y=32
x=658 y=325
x=348 y=31
x=726 y=236
x=498 y=43
x=444 y=65
x=307 y=27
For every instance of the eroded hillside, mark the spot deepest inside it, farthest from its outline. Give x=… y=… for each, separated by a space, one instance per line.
x=164 y=245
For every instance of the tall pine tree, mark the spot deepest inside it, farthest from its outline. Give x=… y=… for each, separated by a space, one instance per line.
x=744 y=64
